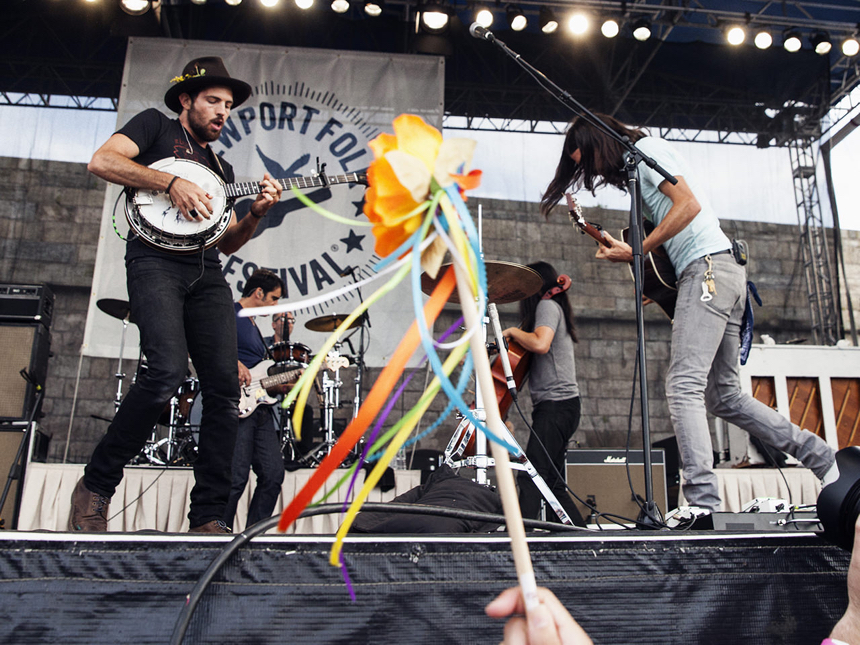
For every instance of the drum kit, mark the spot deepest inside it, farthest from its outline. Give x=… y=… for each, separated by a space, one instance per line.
x=507 y=283
x=174 y=439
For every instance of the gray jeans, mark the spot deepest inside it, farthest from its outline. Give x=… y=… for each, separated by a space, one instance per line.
x=704 y=373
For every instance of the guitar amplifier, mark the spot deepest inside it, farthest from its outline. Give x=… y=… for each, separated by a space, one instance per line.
x=26 y=303
x=600 y=478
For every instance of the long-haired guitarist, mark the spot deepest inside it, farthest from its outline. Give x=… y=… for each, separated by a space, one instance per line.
x=703 y=369
x=181 y=303
x=548 y=332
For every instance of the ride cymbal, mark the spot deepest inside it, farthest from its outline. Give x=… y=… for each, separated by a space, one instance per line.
x=332 y=322
x=506 y=282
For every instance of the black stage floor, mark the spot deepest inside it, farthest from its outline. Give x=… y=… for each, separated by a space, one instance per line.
x=623 y=587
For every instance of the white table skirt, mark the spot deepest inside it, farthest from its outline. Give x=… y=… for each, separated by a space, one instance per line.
x=739 y=486
x=158 y=498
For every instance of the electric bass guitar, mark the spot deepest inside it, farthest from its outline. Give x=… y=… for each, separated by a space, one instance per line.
x=159 y=223
x=256 y=393
x=659 y=282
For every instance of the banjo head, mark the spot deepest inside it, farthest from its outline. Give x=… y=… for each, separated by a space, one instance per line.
x=158 y=222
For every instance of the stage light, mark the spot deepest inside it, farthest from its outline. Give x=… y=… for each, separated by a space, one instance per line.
x=198 y=1
x=791 y=40
x=434 y=18
x=269 y=3
x=763 y=39
x=484 y=17
x=340 y=6
x=233 y=3
x=516 y=18
x=373 y=8
x=135 y=7
x=735 y=35
x=304 y=4
x=821 y=43
x=547 y=21
x=578 y=24
x=610 y=28
x=642 y=30
x=850 y=46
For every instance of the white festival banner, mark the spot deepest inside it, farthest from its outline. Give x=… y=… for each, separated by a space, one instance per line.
x=307 y=106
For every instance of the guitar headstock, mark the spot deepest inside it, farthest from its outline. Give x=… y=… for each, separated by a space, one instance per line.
x=574 y=210
x=335 y=362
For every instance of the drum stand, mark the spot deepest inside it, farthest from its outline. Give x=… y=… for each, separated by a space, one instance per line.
x=481 y=461
x=331 y=402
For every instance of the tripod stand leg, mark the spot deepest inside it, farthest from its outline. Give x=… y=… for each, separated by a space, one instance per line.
x=522 y=463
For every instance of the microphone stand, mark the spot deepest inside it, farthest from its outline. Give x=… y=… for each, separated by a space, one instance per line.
x=633 y=156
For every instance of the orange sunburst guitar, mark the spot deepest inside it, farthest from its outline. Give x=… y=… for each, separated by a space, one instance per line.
x=659 y=282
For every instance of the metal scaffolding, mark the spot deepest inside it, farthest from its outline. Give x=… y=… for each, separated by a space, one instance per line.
x=815 y=253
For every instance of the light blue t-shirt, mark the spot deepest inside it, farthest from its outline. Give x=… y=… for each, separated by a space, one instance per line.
x=701 y=236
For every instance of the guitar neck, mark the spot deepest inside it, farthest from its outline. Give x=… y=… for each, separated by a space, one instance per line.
x=245 y=188
x=575 y=214
x=278 y=379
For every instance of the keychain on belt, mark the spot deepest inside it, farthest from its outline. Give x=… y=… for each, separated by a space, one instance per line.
x=709 y=288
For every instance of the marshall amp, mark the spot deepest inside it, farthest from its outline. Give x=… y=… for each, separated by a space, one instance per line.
x=600 y=478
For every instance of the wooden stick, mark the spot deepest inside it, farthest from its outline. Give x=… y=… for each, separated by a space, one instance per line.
x=504 y=473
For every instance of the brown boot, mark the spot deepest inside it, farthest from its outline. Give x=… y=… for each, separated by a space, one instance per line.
x=89 y=510
x=212 y=526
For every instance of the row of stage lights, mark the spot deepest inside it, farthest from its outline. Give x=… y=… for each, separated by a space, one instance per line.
x=434 y=18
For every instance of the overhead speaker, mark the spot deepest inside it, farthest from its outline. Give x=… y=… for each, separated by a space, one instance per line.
x=599 y=477
x=23 y=346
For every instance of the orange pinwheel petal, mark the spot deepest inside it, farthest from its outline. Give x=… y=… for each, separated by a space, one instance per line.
x=417 y=138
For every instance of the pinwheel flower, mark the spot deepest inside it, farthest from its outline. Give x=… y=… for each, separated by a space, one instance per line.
x=410 y=165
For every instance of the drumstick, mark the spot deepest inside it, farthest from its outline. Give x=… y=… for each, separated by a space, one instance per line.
x=504 y=473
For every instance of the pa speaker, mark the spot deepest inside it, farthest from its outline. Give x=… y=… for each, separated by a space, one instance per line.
x=600 y=478
x=22 y=346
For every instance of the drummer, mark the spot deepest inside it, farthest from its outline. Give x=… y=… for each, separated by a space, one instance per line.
x=288 y=354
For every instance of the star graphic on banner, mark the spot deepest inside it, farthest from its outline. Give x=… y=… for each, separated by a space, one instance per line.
x=359 y=207
x=353 y=241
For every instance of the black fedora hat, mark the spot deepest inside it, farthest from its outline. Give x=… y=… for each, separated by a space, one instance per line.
x=201 y=73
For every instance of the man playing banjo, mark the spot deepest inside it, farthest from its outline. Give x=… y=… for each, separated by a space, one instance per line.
x=180 y=301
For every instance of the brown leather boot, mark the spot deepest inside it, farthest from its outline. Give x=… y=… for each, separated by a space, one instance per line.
x=212 y=526
x=89 y=510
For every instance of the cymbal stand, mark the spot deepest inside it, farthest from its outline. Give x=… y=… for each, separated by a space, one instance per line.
x=331 y=397
x=120 y=375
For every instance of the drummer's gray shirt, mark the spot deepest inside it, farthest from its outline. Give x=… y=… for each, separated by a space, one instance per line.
x=552 y=376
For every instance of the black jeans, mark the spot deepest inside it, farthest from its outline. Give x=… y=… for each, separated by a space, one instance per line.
x=554 y=422
x=257 y=447
x=180 y=313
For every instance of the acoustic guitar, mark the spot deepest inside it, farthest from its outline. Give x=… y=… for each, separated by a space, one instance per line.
x=659 y=282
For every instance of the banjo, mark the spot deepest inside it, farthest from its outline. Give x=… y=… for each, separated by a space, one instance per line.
x=153 y=216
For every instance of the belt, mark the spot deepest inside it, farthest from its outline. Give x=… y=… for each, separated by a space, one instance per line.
x=720 y=252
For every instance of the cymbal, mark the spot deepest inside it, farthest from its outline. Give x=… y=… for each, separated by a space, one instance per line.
x=332 y=322
x=116 y=308
x=506 y=282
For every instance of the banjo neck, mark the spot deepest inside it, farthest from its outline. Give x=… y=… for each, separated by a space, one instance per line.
x=245 y=188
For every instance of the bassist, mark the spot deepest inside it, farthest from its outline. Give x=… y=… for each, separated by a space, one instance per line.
x=257 y=444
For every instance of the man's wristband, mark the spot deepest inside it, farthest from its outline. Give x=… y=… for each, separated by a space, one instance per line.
x=256 y=216
x=170 y=185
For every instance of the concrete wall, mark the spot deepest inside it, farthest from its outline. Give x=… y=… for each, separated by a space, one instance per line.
x=49 y=222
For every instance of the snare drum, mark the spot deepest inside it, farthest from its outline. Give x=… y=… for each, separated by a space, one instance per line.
x=289 y=352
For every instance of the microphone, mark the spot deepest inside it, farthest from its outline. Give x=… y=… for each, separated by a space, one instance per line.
x=503 y=348
x=481 y=33
x=347 y=271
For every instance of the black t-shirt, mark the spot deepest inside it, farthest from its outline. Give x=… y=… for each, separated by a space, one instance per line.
x=158 y=136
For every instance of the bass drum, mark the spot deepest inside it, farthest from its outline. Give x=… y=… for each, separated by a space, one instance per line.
x=177 y=410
